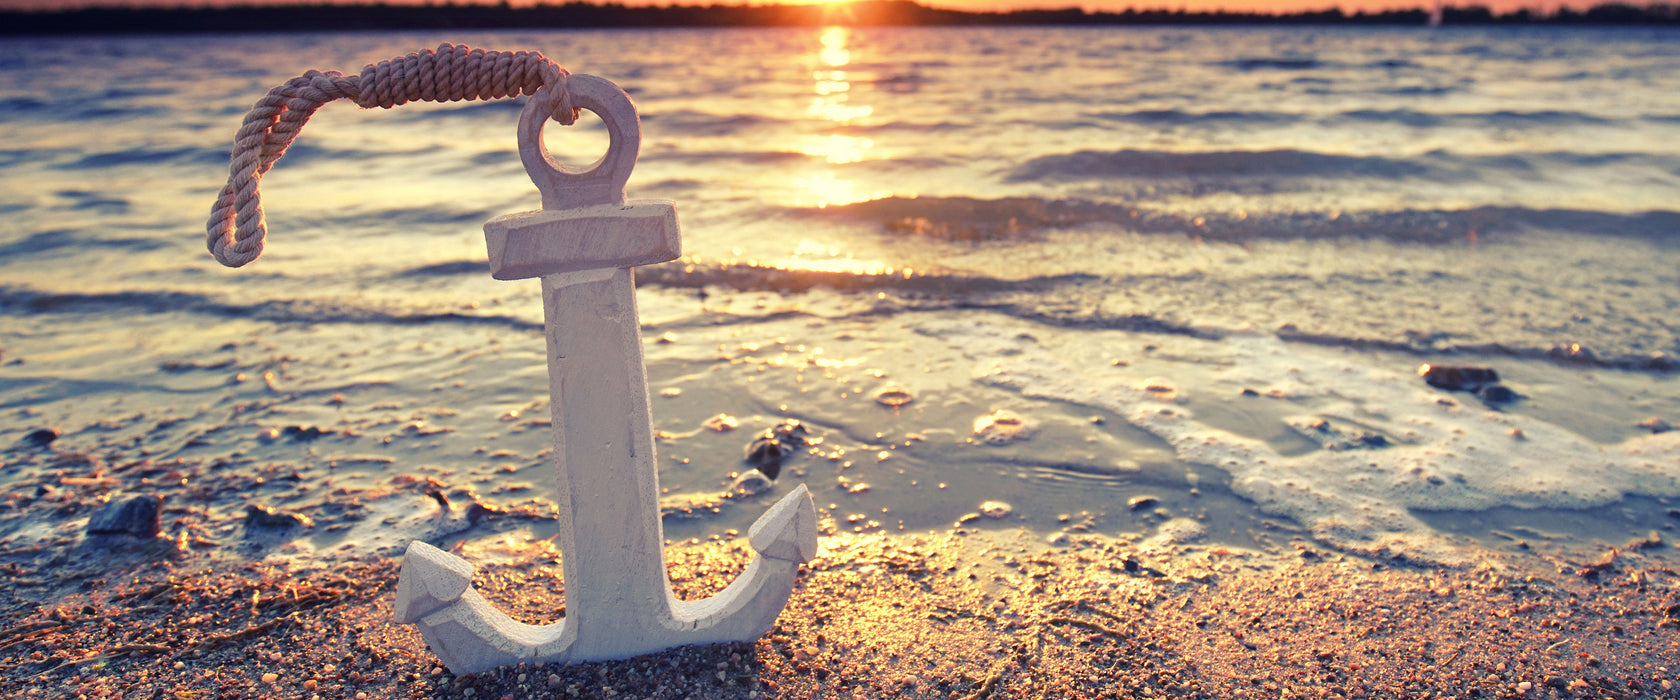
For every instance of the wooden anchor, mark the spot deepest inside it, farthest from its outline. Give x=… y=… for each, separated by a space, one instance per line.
x=583 y=244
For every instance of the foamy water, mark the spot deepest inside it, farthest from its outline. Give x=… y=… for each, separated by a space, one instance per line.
x=1304 y=213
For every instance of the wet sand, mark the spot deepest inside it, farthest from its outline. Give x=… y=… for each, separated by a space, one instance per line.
x=965 y=613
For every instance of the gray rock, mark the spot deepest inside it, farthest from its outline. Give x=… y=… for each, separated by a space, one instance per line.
x=40 y=437
x=137 y=516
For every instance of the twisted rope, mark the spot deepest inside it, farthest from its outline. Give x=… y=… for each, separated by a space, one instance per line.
x=236 y=230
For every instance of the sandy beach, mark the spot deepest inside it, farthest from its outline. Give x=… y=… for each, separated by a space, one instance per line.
x=970 y=612
x=878 y=616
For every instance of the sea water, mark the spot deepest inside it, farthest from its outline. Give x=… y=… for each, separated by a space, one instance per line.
x=1197 y=268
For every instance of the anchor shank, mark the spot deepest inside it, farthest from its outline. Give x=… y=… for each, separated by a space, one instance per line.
x=610 y=528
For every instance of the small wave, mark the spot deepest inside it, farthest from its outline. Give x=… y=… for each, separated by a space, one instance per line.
x=466 y=110
x=110 y=112
x=1419 y=90
x=1202 y=172
x=1273 y=63
x=14 y=107
x=1177 y=117
x=1132 y=164
x=970 y=219
x=145 y=156
x=752 y=157
x=412 y=218
x=1501 y=119
x=16 y=300
x=911 y=127
x=763 y=278
x=448 y=269
x=499 y=157
x=57 y=239
x=692 y=123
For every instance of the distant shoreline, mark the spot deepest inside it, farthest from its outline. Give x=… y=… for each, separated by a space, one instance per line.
x=582 y=15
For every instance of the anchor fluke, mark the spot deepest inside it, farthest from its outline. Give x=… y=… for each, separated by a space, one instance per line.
x=431 y=578
x=470 y=635
x=788 y=531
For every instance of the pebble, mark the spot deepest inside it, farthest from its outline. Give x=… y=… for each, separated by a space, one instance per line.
x=1180 y=531
x=1458 y=377
x=752 y=483
x=299 y=433
x=767 y=450
x=1655 y=425
x=1497 y=393
x=553 y=681
x=260 y=516
x=40 y=437
x=996 y=509
x=137 y=516
x=1524 y=687
x=270 y=677
x=893 y=396
x=1142 y=502
x=1001 y=427
x=722 y=423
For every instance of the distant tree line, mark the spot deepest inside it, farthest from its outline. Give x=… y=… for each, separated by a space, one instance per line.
x=581 y=15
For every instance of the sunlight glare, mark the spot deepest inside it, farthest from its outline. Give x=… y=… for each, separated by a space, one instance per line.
x=837 y=148
x=829 y=190
x=834 y=51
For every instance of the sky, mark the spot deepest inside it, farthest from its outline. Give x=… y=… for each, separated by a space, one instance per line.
x=975 y=5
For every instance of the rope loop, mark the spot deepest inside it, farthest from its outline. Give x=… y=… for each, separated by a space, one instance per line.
x=236 y=230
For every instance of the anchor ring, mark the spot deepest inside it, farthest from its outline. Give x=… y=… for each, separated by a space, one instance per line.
x=602 y=182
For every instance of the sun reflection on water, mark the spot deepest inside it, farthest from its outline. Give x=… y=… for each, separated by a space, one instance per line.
x=832 y=101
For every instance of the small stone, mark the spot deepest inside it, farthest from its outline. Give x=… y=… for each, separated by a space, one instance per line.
x=270 y=677
x=298 y=433
x=265 y=517
x=667 y=338
x=670 y=392
x=996 y=509
x=776 y=443
x=1524 y=687
x=1001 y=427
x=1655 y=425
x=893 y=396
x=752 y=483
x=553 y=681
x=40 y=437
x=1142 y=502
x=1458 y=377
x=137 y=516
x=722 y=423
x=1497 y=393
x=1573 y=352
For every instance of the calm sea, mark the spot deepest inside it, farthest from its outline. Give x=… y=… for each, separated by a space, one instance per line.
x=1193 y=262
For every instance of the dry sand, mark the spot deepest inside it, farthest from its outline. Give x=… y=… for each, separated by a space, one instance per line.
x=961 y=614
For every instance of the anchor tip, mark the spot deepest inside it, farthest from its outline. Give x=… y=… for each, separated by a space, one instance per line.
x=788 y=531
x=431 y=579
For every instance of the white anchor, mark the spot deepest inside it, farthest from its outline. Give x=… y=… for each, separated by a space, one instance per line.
x=583 y=244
